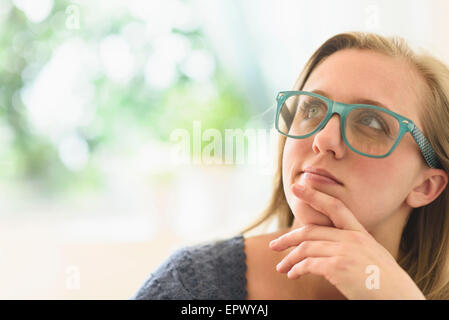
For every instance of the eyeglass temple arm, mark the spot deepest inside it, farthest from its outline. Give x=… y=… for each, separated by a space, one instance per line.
x=426 y=148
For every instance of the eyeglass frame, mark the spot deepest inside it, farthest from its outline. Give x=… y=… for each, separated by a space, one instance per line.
x=343 y=109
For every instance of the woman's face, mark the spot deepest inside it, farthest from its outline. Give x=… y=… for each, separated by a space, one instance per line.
x=375 y=190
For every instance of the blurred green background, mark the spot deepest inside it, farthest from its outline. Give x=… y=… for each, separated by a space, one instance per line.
x=78 y=82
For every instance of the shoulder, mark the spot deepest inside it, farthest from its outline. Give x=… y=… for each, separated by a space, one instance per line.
x=214 y=270
x=261 y=264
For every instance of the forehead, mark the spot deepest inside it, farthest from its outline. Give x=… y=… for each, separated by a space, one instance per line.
x=352 y=74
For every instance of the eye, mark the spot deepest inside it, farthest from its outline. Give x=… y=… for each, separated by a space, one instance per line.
x=374 y=121
x=311 y=110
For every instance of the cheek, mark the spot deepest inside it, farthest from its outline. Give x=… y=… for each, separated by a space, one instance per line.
x=292 y=159
x=378 y=189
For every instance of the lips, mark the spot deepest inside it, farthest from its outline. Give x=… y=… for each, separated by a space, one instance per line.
x=322 y=172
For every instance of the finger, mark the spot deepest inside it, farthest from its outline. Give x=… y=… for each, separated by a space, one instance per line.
x=307 y=232
x=313 y=265
x=307 y=249
x=330 y=206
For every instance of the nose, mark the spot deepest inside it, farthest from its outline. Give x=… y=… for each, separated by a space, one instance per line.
x=329 y=138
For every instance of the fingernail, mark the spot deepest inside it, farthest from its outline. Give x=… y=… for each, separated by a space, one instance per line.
x=273 y=243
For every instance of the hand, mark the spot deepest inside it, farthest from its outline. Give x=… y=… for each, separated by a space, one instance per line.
x=345 y=255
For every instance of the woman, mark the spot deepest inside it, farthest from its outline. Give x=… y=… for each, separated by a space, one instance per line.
x=373 y=117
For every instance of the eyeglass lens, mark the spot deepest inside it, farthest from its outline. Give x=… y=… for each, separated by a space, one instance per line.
x=367 y=130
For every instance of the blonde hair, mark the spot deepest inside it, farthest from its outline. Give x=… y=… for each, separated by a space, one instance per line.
x=424 y=246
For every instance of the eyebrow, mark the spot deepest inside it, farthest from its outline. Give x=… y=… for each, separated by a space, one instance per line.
x=358 y=100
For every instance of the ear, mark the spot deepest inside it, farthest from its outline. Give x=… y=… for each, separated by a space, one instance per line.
x=430 y=186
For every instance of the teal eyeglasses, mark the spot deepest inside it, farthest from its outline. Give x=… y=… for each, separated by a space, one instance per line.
x=368 y=130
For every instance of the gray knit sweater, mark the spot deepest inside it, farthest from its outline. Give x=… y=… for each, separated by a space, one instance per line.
x=213 y=271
